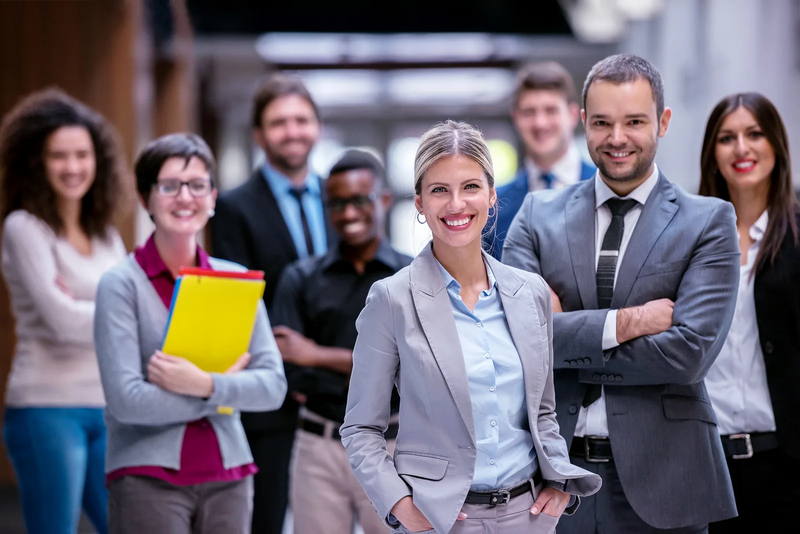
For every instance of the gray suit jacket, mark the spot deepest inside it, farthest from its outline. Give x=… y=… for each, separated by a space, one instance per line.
x=660 y=420
x=408 y=337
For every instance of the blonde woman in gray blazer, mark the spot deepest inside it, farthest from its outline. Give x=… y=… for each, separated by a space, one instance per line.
x=468 y=342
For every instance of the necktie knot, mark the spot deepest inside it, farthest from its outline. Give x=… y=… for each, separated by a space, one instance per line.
x=298 y=192
x=620 y=206
x=548 y=178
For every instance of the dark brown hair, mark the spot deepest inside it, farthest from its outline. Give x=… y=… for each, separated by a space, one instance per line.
x=178 y=145
x=274 y=86
x=781 y=201
x=545 y=76
x=626 y=68
x=23 y=135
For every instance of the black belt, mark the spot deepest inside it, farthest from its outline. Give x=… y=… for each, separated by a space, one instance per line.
x=741 y=446
x=319 y=429
x=493 y=498
x=593 y=449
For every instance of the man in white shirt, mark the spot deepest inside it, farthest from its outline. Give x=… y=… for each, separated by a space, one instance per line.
x=644 y=280
x=545 y=115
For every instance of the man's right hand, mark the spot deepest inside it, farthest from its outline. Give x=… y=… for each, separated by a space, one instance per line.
x=409 y=515
x=648 y=319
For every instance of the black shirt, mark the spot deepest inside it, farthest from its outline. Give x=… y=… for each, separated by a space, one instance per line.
x=321 y=298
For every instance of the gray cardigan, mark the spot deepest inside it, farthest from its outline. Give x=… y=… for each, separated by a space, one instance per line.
x=146 y=423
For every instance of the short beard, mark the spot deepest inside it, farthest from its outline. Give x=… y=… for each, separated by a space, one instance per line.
x=281 y=163
x=639 y=172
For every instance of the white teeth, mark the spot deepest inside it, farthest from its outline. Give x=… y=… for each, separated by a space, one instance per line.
x=353 y=227
x=459 y=222
x=744 y=164
x=184 y=213
x=620 y=154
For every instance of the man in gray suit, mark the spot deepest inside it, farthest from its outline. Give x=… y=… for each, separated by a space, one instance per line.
x=645 y=277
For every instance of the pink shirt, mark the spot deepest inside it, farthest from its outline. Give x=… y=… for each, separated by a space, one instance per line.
x=201 y=459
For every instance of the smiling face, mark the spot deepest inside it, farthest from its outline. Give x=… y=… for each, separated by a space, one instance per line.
x=744 y=156
x=546 y=121
x=356 y=209
x=289 y=129
x=69 y=162
x=622 y=131
x=455 y=199
x=183 y=214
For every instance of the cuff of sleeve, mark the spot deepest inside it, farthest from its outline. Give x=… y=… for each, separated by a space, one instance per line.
x=610 y=331
x=217 y=398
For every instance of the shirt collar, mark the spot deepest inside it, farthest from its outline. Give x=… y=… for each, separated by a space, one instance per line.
x=759 y=228
x=452 y=284
x=567 y=170
x=602 y=192
x=153 y=265
x=385 y=254
x=281 y=184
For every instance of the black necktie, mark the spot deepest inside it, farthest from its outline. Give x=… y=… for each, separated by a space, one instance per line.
x=298 y=195
x=607 y=268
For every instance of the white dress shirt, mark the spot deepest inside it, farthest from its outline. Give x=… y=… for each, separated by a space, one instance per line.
x=737 y=382
x=593 y=421
x=567 y=171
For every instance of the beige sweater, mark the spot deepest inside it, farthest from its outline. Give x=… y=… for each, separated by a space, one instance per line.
x=54 y=360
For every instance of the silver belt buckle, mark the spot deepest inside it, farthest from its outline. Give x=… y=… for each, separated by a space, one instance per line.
x=500 y=497
x=586 y=455
x=748 y=446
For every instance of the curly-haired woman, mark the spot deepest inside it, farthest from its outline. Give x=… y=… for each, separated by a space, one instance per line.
x=61 y=171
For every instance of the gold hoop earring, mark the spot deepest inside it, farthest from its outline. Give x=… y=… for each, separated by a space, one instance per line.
x=421 y=222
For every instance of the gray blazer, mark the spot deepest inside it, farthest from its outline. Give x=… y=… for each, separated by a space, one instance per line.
x=407 y=337
x=146 y=423
x=661 y=424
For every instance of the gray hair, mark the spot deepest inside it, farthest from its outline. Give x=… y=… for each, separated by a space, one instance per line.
x=625 y=68
x=451 y=138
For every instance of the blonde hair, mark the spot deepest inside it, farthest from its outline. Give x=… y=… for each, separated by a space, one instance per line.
x=451 y=138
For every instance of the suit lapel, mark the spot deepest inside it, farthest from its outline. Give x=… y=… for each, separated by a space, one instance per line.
x=658 y=211
x=580 y=212
x=522 y=319
x=436 y=317
x=267 y=205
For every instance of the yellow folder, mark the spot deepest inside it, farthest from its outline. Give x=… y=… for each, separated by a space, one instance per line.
x=212 y=317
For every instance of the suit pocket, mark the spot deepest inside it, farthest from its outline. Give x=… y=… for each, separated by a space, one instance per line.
x=420 y=465
x=663 y=268
x=680 y=407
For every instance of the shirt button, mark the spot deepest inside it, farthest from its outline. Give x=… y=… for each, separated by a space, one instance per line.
x=494 y=423
x=487 y=355
x=491 y=388
x=479 y=325
x=491 y=461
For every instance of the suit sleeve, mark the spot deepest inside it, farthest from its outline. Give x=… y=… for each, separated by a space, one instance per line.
x=577 y=334
x=230 y=234
x=288 y=310
x=702 y=316
x=375 y=365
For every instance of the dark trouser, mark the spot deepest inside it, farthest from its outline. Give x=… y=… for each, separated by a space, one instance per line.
x=145 y=505
x=272 y=453
x=767 y=494
x=608 y=511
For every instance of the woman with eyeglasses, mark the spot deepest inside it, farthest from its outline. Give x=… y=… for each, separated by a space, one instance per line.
x=176 y=462
x=753 y=384
x=62 y=171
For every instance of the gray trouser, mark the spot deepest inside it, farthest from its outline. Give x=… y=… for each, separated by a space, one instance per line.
x=145 y=505
x=512 y=518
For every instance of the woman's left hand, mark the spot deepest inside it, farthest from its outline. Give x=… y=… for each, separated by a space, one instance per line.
x=179 y=376
x=551 y=501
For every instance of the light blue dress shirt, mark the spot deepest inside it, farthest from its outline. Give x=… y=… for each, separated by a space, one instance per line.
x=290 y=209
x=506 y=455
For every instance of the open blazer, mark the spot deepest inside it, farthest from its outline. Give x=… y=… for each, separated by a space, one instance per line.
x=407 y=336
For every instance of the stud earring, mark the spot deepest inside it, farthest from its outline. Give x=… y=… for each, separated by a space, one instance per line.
x=211 y=212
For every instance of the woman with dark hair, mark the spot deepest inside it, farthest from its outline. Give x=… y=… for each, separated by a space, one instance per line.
x=178 y=460
x=61 y=170
x=753 y=384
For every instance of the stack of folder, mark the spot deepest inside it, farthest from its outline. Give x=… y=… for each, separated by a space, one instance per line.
x=212 y=316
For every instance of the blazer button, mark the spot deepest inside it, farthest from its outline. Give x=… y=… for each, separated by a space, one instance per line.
x=603 y=378
x=768 y=348
x=573 y=409
x=596 y=376
x=587 y=361
x=618 y=378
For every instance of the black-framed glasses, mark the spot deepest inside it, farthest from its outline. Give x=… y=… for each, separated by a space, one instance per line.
x=171 y=187
x=338 y=205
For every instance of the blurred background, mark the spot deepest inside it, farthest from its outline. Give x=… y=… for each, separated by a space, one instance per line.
x=381 y=73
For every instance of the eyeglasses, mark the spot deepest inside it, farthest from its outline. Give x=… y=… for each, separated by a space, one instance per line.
x=171 y=187
x=338 y=205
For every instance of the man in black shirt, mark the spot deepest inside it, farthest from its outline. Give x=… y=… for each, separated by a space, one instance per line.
x=316 y=305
